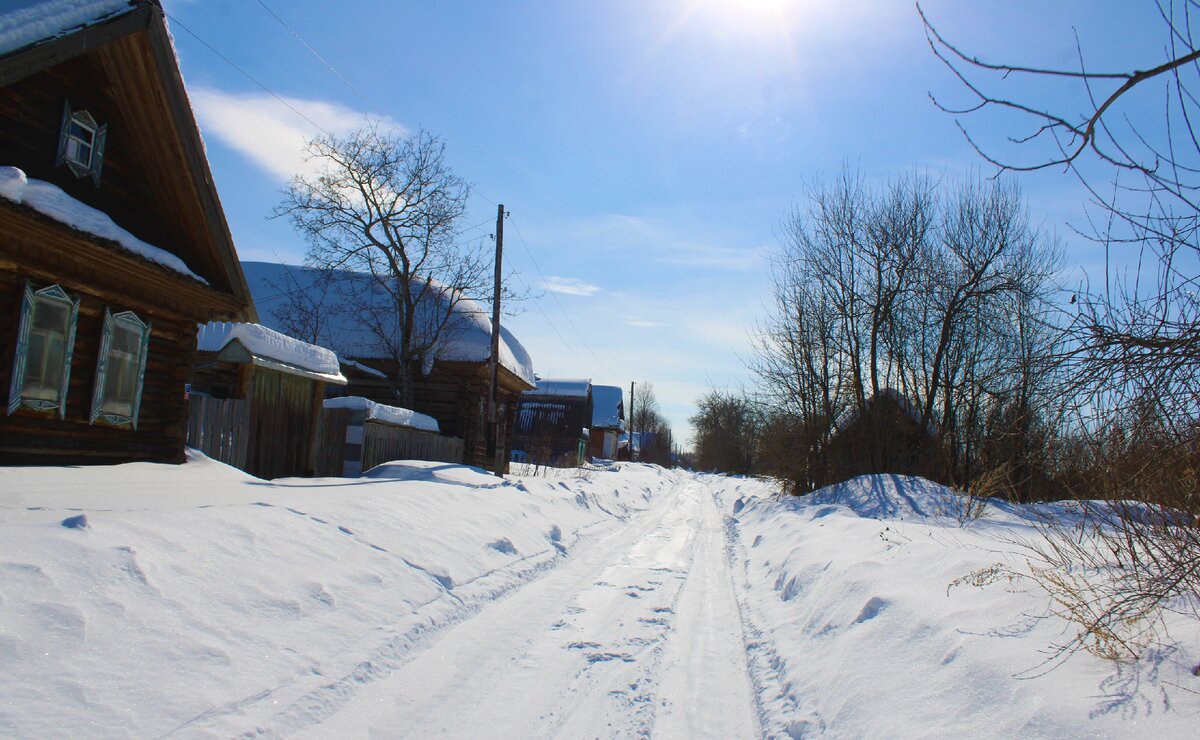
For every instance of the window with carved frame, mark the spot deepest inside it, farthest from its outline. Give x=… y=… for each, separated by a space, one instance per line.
x=42 y=362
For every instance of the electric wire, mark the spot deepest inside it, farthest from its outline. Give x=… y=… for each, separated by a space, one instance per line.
x=322 y=59
x=247 y=75
x=557 y=302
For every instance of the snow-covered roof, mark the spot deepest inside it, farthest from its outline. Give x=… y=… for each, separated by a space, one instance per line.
x=467 y=339
x=849 y=416
x=51 y=201
x=608 y=409
x=379 y=412
x=269 y=348
x=27 y=22
x=561 y=387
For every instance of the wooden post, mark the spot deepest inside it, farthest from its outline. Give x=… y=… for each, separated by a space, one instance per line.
x=631 y=384
x=495 y=446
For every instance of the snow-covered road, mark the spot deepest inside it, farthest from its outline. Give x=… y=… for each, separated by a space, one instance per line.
x=435 y=600
x=639 y=633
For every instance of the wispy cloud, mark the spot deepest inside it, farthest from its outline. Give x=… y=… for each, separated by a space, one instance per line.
x=270 y=133
x=570 y=286
x=643 y=323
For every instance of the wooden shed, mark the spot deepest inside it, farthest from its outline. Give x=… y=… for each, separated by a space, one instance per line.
x=115 y=245
x=552 y=422
x=282 y=381
x=888 y=436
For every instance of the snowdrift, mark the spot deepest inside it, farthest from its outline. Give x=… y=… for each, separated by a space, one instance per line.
x=862 y=623
x=140 y=600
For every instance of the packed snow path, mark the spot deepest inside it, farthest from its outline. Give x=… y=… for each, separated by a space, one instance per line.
x=638 y=633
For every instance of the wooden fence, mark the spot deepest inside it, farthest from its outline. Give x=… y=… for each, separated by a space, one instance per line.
x=346 y=445
x=331 y=441
x=382 y=443
x=220 y=428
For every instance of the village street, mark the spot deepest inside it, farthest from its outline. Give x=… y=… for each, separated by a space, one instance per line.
x=637 y=634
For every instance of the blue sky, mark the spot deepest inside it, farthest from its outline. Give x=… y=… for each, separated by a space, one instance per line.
x=647 y=151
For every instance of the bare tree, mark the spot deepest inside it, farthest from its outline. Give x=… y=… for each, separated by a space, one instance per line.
x=1141 y=326
x=646 y=419
x=307 y=308
x=1135 y=354
x=726 y=433
x=385 y=212
x=903 y=287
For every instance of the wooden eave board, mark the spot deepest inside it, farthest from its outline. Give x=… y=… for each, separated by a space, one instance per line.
x=41 y=248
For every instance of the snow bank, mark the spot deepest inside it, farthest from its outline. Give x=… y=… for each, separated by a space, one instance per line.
x=26 y=22
x=51 y=201
x=858 y=629
x=196 y=600
x=393 y=415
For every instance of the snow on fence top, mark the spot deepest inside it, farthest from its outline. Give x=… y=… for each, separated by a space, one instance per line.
x=467 y=338
x=561 y=387
x=393 y=415
x=269 y=348
x=606 y=407
x=27 y=22
x=51 y=201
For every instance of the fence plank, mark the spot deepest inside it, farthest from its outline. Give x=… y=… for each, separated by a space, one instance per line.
x=382 y=443
x=219 y=427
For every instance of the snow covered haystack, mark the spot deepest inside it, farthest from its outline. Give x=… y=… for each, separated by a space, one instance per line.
x=860 y=606
x=140 y=600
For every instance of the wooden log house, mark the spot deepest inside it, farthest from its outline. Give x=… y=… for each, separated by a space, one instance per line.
x=552 y=422
x=113 y=244
x=453 y=389
x=608 y=421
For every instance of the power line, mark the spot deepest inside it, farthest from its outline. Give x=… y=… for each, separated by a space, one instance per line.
x=558 y=303
x=554 y=328
x=247 y=75
x=322 y=59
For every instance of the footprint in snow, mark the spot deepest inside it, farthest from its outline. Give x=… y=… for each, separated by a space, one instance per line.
x=871 y=609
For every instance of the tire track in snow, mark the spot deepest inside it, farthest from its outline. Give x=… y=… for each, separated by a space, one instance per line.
x=577 y=652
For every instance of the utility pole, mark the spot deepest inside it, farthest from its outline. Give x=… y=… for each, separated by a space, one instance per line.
x=495 y=447
x=631 y=384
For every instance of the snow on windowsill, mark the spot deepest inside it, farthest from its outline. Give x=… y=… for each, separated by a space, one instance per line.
x=50 y=200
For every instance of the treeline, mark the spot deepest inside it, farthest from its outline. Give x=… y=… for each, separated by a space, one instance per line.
x=944 y=301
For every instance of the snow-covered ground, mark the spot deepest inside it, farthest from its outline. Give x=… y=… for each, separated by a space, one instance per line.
x=431 y=600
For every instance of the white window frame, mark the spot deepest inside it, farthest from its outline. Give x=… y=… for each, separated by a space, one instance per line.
x=69 y=143
x=100 y=413
x=17 y=396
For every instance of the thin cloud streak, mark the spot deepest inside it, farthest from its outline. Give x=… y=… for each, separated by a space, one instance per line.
x=570 y=286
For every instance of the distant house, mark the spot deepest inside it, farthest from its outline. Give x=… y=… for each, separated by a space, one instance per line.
x=114 y=243
x=889 y=436
x=453 y=388
x=552 y=422
x=283 y=382
x=608 y=421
